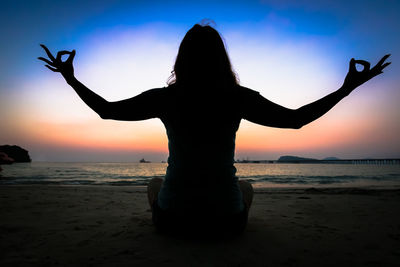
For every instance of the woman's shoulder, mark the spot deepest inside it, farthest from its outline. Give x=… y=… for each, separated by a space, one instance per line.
x=245 y=90
x=160 y=91
x=170 y=88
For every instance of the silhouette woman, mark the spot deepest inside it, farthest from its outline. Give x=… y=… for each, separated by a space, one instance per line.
x=201 y=109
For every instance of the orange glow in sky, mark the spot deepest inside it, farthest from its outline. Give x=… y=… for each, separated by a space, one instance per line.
x=291 y=54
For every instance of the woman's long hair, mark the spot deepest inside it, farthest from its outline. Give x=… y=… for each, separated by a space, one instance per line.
x=202 y=60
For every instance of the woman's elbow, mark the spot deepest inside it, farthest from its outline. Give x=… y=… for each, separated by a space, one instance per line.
x=105 y=115
x=296 y=123
x=298 y=127
x=104 y=111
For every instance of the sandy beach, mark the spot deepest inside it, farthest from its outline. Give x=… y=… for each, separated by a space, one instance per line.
x=111 y=226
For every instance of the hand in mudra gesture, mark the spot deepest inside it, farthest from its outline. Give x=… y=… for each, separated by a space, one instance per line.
x=57 y=65
x=355 y=78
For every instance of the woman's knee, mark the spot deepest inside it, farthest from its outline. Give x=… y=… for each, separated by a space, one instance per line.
x=247 y=192
x=155 y=182
x=153 y=188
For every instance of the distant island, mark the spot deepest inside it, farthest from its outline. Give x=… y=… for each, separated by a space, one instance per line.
x=282 y=159
x=331 y=158
x=294 y=159
x=12 y=154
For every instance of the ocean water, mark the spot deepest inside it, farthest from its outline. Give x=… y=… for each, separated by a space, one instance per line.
x=260 y=175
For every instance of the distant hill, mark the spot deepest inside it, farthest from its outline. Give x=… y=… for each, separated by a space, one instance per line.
x=294 y=159
x=331 y=158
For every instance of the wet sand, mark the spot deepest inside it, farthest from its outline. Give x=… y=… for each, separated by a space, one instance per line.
x=111 y=226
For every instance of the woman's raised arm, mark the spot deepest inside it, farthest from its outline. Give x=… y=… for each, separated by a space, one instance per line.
x=140 y=107
x=262 y=111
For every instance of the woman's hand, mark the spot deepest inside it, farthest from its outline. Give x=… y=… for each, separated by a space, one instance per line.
x=355 y=78
x=57 y=65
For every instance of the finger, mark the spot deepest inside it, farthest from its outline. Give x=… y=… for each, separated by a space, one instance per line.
x=385 y=65
x=366 y=64
x=379 y=67
x=71 y=57
x=61 y=53
x=382 y=60
x=52 y=69
x=48 y=52
x=352 y=65
x=46 y=60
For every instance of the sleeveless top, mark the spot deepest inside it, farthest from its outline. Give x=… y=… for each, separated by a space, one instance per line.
x=201 y=126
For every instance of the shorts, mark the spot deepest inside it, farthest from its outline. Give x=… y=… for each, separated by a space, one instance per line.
x=198 y=222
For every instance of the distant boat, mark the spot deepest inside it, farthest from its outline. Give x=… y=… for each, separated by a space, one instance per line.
x=144 y=161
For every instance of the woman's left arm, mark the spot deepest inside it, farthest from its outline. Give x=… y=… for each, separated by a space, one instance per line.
x=262 y=111
x=354 y=78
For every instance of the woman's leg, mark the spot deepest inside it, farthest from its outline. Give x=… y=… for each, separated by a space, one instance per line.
x=152 y=190
x=247 y=192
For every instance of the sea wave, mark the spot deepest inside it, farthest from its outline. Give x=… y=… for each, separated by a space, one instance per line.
x=121 y=174
x=301 y=179
x=143 y=180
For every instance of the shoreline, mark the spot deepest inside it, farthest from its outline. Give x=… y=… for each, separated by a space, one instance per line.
x=80 y=225
x=257 y=189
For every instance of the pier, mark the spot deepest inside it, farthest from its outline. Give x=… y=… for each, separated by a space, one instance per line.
x=390 y=161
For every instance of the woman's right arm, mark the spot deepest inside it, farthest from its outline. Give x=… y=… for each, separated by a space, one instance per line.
x=140 y=107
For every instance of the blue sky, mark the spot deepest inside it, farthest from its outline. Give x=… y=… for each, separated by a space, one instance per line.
x=309 y=42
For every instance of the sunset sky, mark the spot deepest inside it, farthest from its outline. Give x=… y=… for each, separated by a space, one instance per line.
x=292 y=52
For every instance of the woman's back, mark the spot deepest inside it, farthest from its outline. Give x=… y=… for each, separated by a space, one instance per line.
x=201 y=125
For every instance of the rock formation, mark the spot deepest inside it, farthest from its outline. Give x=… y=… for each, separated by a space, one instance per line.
x=5 y=159
x=16 y=153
